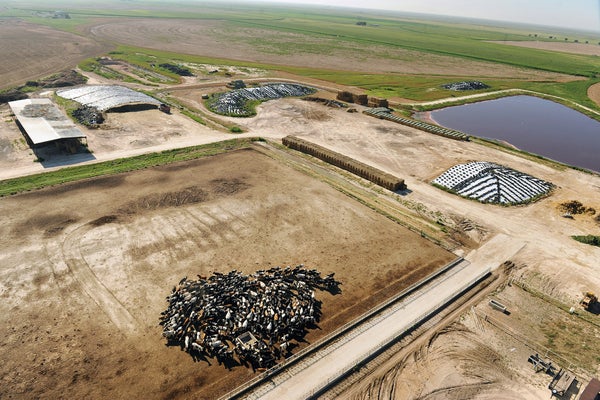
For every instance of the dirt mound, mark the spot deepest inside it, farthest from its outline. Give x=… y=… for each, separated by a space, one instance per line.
x=62 y=79
x=107 y=219
x=12 y=95
x=455 y=363
x=88 y=116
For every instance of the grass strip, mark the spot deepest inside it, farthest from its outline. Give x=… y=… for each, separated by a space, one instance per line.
x=583 y=315
x=70 y=174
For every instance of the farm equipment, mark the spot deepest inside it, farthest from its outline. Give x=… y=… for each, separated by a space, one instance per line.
x=588 y=301
x=561 y=383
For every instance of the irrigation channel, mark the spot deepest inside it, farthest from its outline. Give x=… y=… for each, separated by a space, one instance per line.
x=532 y=124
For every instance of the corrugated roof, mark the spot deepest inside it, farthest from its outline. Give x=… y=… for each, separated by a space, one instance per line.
x=105 y=97
x=43 y=121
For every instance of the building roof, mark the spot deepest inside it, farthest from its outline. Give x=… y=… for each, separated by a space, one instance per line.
x=43 y=121
x=106 y=97
x=591 y=391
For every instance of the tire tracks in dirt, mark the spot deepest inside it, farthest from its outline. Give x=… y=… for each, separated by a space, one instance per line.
x=92 y=285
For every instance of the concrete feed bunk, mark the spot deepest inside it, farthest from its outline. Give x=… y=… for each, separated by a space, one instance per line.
x=492 y=183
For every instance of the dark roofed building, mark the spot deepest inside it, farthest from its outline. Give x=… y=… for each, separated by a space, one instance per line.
x=591 y=391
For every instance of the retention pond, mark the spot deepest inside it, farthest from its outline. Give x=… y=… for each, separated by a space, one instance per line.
x=531 y=124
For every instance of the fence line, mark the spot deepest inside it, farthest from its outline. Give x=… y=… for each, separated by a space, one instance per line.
x=535 y=346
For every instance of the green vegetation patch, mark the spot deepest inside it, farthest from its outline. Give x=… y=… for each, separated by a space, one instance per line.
x=94 y=65
x=177 y=69
x=70 y=174
x=592 y=240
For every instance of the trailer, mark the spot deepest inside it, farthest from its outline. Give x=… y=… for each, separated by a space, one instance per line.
x=561 y=383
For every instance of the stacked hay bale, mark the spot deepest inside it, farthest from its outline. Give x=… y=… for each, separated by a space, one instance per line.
x=350 y=97
x=361 y=99
x=372 y=174
x=345 y=96
x=376 y=102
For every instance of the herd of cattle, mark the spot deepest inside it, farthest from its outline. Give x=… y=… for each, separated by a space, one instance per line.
x=244 y=319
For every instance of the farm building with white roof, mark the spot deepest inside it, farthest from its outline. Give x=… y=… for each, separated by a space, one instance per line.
x=42 y=122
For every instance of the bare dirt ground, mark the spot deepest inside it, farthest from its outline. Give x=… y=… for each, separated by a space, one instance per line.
x=84 y=352
x=465 y=366
x=419 y=157
x=594 y=93
x=573 y=48
x=222 y=40
x=555 y=264
x=86 y=267
x=32 y=51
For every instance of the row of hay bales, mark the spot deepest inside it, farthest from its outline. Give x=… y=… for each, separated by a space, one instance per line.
x=362 y=99
x=372 y=174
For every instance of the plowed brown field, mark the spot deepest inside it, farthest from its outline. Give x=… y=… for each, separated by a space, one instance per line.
x=32 y=51
x=573 y=48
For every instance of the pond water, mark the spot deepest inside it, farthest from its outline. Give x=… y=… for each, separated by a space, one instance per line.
x=532 y=124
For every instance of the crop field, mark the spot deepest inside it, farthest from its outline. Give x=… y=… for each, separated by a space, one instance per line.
x=574 y=48
x=70 y=244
